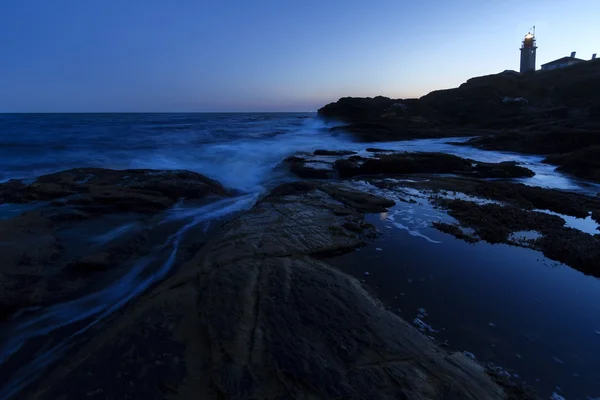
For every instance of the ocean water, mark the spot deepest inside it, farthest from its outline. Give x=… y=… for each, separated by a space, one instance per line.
x=244 y=152
x=237 y=149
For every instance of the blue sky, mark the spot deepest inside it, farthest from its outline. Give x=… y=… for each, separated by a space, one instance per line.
x=263 y=55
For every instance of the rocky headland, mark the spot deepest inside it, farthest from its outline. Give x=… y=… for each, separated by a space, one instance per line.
x=546 y=112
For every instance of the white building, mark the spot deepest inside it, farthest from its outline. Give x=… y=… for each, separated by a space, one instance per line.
x=563 y=62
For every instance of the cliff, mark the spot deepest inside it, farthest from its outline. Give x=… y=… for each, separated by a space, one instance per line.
x=506 y=100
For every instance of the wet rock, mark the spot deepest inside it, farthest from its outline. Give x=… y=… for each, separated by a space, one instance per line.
x=583 y=163
x=333 y=152
x=310 y=169
x=256 y=315
x=454 y=230
x=358 y=200
x=49 y=254
x=495 y=223
x=517 y=194
x=505 y=169
x=420 y=163
x=370 y=131
x=27 y=244
x=97 y=261
x=103 y=190
x=545 y=139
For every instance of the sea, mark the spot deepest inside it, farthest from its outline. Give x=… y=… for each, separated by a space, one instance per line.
x=533 y=318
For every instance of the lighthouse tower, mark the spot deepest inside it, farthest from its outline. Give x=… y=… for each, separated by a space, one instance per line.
x=528 y=49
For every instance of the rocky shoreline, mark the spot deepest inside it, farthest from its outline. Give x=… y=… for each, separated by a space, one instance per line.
x=252 y=308
x=548 y=113
x=258 y=313
x=56 y=250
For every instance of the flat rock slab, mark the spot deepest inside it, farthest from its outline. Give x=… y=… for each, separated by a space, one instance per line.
x=104 y=190
x=383 y=162
x=258 y=314
x=48 y=252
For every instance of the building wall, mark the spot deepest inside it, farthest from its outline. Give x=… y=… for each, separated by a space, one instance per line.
x=527 y=59
x=561 y=65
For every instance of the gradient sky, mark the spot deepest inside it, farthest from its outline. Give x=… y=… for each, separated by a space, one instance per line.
x=264 y=55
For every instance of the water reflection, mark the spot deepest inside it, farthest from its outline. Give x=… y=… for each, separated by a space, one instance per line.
x=511 y=306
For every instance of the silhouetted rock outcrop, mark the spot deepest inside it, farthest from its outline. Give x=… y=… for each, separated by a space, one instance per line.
x=567 y=97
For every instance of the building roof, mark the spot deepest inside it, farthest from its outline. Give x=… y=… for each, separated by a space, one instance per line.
x=563 y=60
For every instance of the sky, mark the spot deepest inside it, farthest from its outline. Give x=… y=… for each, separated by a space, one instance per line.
x=264 y=55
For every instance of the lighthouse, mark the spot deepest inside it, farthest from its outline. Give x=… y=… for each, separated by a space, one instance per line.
x=528 y=49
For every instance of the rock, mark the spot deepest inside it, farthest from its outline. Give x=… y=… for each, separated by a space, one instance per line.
x=50 y=254
x=486 y=104
x=495 y=223
x=546 y=139
x=370 y=131
x=454 y=230
x=354 y=109
x=333 y=152
x=92 y=262
x=357 y=200
x=310 y=169
x=438 y=163
x=583 y=163
x=256 y=315
x=517 y=194
x=28 y=244
x=505 y=169
x=105 y=190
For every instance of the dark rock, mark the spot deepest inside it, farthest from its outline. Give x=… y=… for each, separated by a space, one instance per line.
x=454 y=230
x=542 y=140
x=583 y=163
x=481 y=105
x=505 y=169
x=103 y=190
x=333 y=152
x=310 y=169
x=357 y=200
x=256 y=315
x=523 y=196
x=419 y=163
x=370 y=131
x=50 y=255
x=92 y=262
x=292 y=188
x=376 y=150
x=494 y=223
x=355 y=109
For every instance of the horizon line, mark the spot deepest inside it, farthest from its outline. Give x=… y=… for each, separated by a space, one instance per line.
x=157 y=112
